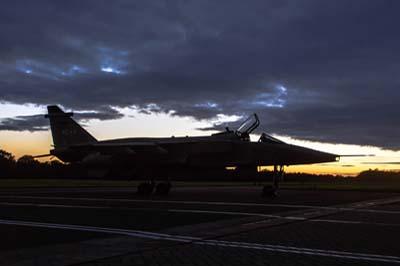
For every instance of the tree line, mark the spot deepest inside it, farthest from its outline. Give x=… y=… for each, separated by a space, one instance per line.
x=28 y=167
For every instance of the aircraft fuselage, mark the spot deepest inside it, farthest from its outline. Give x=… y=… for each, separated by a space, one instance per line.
x=191 y=151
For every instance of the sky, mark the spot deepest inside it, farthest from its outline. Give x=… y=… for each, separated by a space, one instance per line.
x=319 y=73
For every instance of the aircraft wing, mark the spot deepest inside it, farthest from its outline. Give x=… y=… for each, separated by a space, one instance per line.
x=129 y=148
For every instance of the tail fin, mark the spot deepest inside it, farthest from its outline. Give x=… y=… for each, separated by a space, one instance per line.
x=65 y=130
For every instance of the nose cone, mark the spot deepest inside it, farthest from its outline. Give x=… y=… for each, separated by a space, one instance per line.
x=323 y=157
x=310 y=156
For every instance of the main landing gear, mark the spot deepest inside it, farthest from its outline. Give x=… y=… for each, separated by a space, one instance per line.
x=272 y=190
x=147 y=188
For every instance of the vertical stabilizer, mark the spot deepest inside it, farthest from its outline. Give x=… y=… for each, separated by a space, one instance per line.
x=65 y=130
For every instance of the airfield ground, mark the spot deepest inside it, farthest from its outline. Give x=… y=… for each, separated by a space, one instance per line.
x=352 y=185
x=202 y=225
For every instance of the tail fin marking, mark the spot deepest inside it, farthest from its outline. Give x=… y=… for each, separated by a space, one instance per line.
x=65 y=131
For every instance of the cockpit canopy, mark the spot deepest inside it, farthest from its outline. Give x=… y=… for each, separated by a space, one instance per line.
x=265 y=138
x=248 y=126
x=244 y=130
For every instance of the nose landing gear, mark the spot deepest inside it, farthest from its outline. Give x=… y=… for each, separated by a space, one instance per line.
x=272 y=190
x=163 y=188
x=147 y=188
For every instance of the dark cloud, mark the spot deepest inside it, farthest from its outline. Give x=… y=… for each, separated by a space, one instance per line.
x=104 y=113
x=22 y=123
x=338 y=61
x=40 y=123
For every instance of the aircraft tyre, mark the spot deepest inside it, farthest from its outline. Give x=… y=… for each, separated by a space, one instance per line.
x=145 y=189
x=270 y=191
x=163 y=188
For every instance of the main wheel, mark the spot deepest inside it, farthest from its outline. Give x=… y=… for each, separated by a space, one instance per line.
x=270 y=191
x=163 y=188
x=145 y=189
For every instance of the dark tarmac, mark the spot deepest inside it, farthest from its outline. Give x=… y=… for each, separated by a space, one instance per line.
x=198 y=226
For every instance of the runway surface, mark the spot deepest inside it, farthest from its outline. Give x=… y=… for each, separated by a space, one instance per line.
x=198 y=226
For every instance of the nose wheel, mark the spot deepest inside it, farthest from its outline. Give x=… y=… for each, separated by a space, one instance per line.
x=272 y=190
x=147 y=188
x=163 y=188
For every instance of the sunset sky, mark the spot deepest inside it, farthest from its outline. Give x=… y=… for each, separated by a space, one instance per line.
x=323 y=74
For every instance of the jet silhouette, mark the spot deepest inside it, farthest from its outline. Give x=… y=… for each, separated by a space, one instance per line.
x=73 y=144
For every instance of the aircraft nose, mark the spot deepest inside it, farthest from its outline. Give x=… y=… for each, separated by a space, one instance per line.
x=324 y=157
x=302 y=155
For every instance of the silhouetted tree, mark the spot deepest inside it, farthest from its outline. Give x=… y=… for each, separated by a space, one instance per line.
x=379 y=175
x=7 y=164
x=27 y=160
x=28 y=167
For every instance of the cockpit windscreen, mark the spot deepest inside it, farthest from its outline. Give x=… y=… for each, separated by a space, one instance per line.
x=249 y=125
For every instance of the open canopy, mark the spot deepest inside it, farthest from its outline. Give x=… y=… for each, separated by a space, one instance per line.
x=249 y=125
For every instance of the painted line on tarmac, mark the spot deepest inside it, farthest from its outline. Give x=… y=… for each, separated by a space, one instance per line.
x=40 y=205
x=217 y=203
x=177 y=202
x=252 y=214
x=296 y=218
x=219 y=243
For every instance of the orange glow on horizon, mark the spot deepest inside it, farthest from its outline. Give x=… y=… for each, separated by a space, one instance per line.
x=136 y=125
x=25 y=143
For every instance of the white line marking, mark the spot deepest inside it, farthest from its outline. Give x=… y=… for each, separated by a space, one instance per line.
x=226 y=212
x=346 y=222
x=213 y=203
x=272 y=216
x=312 y=213
x=53 y=205
x=294 y=218
x=200 y=241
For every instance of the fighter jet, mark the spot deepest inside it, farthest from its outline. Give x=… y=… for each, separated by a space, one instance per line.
x=153 y=157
